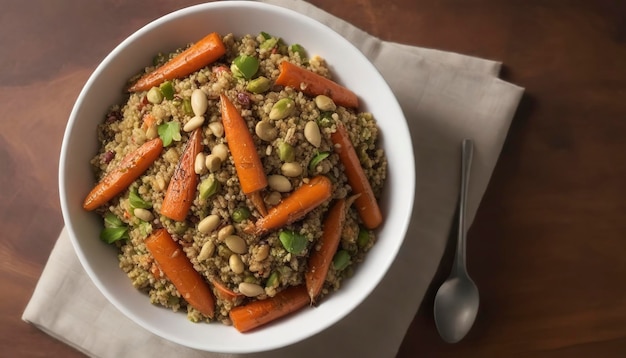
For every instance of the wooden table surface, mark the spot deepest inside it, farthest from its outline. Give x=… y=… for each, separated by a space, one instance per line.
x=548 y=244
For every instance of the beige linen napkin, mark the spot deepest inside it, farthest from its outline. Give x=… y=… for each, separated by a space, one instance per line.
x=446 y=97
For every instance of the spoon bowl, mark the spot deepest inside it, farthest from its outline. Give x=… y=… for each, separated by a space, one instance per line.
x=456 y=307
x=457 y=300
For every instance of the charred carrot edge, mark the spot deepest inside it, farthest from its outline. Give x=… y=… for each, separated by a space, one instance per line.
x=241 y=145
x=365 y=203
x=179 y=270
x=130 y=168
x=304 y=199
x=181 y=190
x=202 y=53
x=258 y=313
x=313 y=84
x=320 y=260
x=223 y=291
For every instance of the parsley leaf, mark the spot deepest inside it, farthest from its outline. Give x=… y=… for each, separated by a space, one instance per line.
x=168 y=132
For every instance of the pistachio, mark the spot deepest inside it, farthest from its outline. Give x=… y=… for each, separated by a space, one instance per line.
x=244 y=66
x=283 y=108
x=259 y=85
x=208 y=187
x=199 y=102
x=266 y=131
x=325 y=103
x=154 y=95
x=312 y=133
x=240 y=214
x=286 y=153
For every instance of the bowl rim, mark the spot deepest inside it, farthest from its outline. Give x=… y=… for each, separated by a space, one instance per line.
x=65 y=205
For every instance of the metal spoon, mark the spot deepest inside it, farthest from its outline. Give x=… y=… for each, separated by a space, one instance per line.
x=456 y=302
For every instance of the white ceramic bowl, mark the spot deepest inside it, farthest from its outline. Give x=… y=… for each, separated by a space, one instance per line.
x=104 y=88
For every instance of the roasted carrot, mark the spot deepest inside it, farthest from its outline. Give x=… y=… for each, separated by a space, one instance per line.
x=182 y=187
x=365 y=203
x=130 y=168
x=313 y=84
x=258 y=313
x=223 y=291
x=148 y=121
x=320 y=260
x=304 y=199
x=248 y=165
x=202 y=53
x=179 y=270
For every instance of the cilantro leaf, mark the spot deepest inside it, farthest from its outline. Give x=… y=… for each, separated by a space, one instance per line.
x=168 y=132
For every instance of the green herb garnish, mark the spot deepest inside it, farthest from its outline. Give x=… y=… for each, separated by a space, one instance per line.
x=292 y=241
x=169 y=131
x=245 y=66
x=167 y=89
x=317 y=159
x=136 y=201
x=114 y=229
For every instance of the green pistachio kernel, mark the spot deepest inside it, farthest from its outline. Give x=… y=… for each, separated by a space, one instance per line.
x=282 y=109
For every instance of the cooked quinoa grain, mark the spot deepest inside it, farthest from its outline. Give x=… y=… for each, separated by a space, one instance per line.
x=291 y=133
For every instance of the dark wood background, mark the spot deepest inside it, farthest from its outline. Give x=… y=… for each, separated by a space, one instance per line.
x=548 y=244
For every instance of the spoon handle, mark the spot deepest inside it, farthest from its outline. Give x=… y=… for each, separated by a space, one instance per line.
x=467 y=151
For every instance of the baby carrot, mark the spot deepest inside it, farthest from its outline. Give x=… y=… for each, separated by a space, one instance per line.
x=182 y=188
x=247 y=162
x=313 y=84
x=200 y=54
x=320 y=260
x=223 y=291
x=365 y=203
x=130 y=168
x=148 y=121
x=179 y=270
x=261 y=312
x=304 y=199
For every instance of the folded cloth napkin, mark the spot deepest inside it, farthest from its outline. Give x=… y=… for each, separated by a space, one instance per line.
x=445 y=97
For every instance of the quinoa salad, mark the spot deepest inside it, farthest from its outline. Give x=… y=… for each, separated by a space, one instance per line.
x=220 y=234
